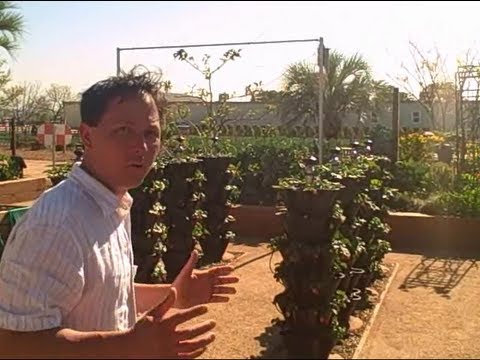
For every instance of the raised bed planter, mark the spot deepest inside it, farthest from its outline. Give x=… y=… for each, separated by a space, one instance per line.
x=256 y=221
x=14 y=191
x=410 y=231
x=420 y=232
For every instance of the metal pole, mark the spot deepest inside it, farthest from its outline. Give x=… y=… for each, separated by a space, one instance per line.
x=54 y=144
x=457 y=117
x=205 y=45
x=65 y=124
x=13 y=139
x=320 y=100
x=118 y=61
x=217 y=44
x=395 y=124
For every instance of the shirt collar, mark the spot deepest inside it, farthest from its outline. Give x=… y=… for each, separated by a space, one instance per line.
x=107 y=200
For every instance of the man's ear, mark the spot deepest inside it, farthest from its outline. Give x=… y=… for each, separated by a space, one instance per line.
x=86 y=135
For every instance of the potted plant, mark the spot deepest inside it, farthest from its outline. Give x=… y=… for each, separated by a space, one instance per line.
x=312 y=266
x=149 y=233
x=218 y=188
x=166 y=216
x=58 y=173
x=181 y=199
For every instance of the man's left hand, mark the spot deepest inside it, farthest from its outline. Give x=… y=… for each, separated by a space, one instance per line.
x=195 y=287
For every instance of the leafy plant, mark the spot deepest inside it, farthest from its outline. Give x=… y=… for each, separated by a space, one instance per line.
x=463 y=200
x=218 y=114
x=419 y=147
x=59 y=172
x=412 y=176
x=312 y=263
x=166 y=218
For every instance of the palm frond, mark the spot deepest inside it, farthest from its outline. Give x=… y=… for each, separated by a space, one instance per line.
x=12 y=26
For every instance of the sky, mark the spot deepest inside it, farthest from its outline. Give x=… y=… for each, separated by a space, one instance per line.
x=74 y=43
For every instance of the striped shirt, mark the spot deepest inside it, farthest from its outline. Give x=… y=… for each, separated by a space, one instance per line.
x=68 y=262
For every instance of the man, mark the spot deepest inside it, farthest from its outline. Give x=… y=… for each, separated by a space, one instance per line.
x=66 y=276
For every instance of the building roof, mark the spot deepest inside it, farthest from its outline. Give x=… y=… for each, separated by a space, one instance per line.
x=174 y=97
x=171 y=97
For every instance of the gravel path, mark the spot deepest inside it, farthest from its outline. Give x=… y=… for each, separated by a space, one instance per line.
x=431 y=311
x=243 y=324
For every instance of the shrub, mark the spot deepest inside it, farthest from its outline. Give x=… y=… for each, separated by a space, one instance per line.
x=419 y=147
x=9 y=168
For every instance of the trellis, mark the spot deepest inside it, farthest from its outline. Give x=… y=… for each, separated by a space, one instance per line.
x=467 y=109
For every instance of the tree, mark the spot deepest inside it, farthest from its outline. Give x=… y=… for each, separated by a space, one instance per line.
x=349 y=87
x=441 y=99
x=5 y=75
x=218 y=114
x=299 y=96
x=12 y=27
x=55 y=96
x=24 y=102
x=427 y=81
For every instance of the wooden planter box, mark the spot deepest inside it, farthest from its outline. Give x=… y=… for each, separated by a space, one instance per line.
x=411 y=232
x=420 y=232
x=14 y=191
x=256 y=221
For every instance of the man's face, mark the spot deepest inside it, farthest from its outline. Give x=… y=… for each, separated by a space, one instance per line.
x=123 y=146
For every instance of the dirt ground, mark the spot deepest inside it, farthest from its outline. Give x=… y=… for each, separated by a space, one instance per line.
x=38 y=161
x=243 y=324
x=244 y=327
x=39 y=154
x=36 y=168
x=431 y=311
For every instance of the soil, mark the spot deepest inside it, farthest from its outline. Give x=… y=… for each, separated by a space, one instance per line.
x=45 y=154
x=431 y=311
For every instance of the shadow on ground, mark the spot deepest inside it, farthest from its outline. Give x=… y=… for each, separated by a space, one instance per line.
x=271 y=342
x=441 y=273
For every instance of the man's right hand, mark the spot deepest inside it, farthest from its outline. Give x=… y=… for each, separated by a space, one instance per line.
x=159 y=334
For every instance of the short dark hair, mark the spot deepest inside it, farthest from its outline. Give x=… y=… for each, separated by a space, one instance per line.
x=95 y=99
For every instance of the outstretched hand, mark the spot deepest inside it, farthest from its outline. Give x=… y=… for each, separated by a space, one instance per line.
x=163 y=333
x=195 y=287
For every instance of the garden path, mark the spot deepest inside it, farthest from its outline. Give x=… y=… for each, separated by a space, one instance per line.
x=430 y=311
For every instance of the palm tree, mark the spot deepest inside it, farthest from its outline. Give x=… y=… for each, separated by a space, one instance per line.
x=349 y=87
x=299 y=96
x=12 y=26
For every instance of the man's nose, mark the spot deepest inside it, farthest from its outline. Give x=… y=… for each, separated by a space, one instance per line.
x=140 y=144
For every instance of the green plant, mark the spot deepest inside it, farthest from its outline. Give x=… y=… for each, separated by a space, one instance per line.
x=463 y=200
x=218 y=195
x=149 y=232
x=217 y=114
x=313 y=262
x=59 y=172
x=166 y=219
x=412 y=176
x=9 y=168
x=441 y=176
x=419 y=147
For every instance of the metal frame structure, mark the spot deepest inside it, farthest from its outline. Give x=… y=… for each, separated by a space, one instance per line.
x=467 y=111
x=322 y=59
